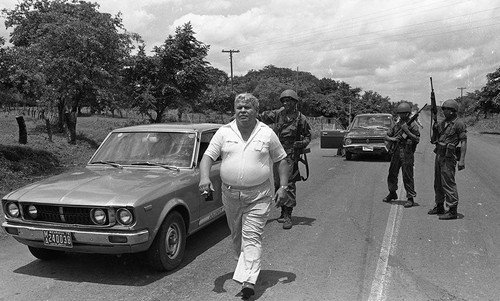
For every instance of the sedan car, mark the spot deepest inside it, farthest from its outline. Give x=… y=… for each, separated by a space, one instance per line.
x=365 y=135
x=137 y=193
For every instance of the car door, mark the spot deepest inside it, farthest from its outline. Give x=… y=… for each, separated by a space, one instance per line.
x=211 y=204
x=332 y=134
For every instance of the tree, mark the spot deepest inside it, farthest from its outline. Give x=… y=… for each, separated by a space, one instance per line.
x=174 y=77
x=489 y=101
x=79 y=50
x=219 y=96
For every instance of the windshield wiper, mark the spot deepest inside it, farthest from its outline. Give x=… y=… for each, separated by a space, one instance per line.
x=110 y=163
x=166 y=166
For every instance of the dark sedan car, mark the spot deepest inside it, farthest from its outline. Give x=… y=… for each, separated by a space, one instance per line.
x=365 y=135
x=139 y=192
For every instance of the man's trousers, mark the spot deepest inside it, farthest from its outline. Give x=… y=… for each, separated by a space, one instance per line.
x=247 y=210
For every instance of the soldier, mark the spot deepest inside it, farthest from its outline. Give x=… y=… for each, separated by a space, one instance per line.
x=451 y=146
x=294 y=134
x=403 y=139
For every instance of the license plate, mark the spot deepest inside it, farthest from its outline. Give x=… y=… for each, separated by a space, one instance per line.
x=57 y=238
x=368 y=148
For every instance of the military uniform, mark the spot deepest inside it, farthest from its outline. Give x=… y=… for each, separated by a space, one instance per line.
x=403 y=158
x=449 y=135
x=286 y=130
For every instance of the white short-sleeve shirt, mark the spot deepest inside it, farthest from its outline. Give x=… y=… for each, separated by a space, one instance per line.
x=245 y=163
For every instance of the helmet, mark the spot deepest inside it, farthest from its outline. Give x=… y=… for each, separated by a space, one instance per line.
x=289 y=93
x=403 y=107
x=450 y=103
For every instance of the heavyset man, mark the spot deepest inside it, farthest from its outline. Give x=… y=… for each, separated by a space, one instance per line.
x=247 y=147
x=404 y=139
x=451 y=146
x=295 y=134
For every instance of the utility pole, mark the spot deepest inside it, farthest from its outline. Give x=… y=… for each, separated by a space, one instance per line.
x=231 y=63
x=461 y=91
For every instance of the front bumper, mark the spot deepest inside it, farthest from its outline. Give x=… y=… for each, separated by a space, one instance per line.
x=84 y=241
x=376 y=149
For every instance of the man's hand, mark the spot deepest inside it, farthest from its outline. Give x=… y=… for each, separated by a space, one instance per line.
x=205 y=186
x=405 y=128
x=298 y=144
x=280 y=197
x=461 y=165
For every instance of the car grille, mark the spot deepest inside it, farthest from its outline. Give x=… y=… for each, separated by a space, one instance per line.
x=61 y=214
x=367 y=140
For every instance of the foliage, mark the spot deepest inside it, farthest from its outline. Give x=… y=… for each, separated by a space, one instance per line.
x=174 y=77
x=489 y=101
x=66 y=53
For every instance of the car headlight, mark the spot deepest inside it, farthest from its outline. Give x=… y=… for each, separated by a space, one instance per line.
x=13 y=210
x=98 y=216
x=32 y=211
x=347 y=141
x=124 y=216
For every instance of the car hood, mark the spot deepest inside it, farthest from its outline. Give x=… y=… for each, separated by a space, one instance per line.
x=103 y=186
x=361 y=132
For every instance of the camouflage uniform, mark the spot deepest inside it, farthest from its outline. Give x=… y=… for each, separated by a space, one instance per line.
x=286 y=130
x=449 y=136
x=403 y=157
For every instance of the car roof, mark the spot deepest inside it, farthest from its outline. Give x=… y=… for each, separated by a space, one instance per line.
x=374 y=114
x=170 y=127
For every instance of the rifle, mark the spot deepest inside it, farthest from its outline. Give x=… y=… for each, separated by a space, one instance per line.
x=434 y=137
x=299 y=155
x=391 y=145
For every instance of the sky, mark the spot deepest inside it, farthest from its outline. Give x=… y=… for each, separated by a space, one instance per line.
x=391 y=47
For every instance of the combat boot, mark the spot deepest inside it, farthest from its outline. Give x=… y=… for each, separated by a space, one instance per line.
x=391 y=196
x=409 y=203
x=450 y=214
x=438 y=209
x=287 y=224
x=281 y=219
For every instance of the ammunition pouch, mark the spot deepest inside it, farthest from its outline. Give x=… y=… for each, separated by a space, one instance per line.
x=448 y=150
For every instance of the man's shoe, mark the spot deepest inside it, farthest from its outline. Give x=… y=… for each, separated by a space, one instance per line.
x=281 y=219
x=438 y=209
x=247 y=290
x=450 y=214
x=409 y=203
x=287 y=224
x=391 y=196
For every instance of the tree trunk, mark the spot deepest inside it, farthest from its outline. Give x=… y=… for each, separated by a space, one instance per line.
x=23 y=134
x=49 y=129
x=60 y=118
x=70 y=118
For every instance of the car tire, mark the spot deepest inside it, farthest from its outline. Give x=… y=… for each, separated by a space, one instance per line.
x=348 y=156
x=45 y=254
x=168 y=247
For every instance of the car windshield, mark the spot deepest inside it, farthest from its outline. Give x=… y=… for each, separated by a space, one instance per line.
x=375 y=121
x=147 y=148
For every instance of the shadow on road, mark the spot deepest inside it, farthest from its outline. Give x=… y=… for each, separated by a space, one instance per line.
x=267 y=279
x=296 y=220
x=128 y=269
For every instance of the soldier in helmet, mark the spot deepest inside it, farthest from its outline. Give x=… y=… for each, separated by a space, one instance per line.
x=294 y=134
x=451 y=146
x=403 y=139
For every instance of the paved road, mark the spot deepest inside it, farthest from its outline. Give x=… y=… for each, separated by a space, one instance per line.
x=345 y=245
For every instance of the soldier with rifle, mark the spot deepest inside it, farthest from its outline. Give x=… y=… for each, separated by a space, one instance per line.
x=294 y=133
x=402 y=139
x=450 y=138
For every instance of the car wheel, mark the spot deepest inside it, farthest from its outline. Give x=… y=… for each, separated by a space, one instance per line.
x=348 y=156
x=45 y=254
x=167 y=250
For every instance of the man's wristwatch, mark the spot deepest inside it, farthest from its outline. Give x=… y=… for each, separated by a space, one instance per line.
x=284 y=187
